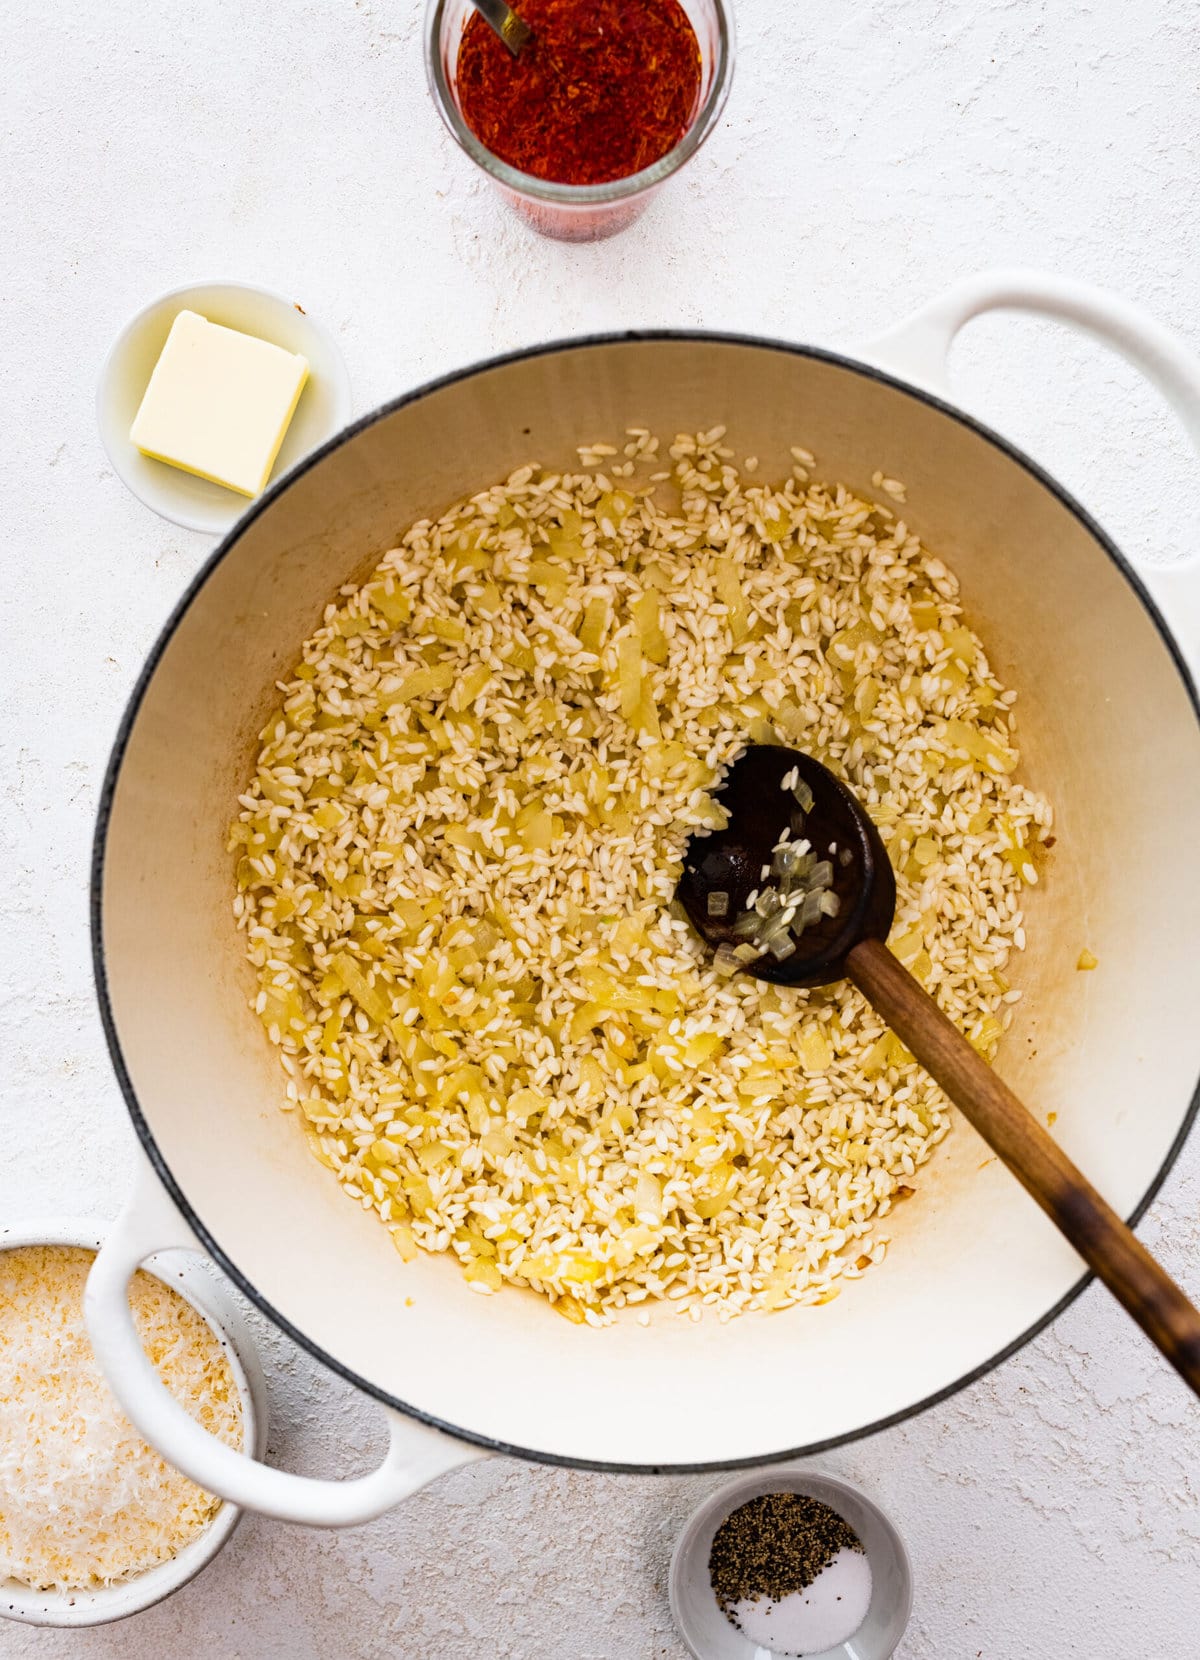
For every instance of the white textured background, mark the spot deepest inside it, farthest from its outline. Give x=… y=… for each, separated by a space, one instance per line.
x=871 y=151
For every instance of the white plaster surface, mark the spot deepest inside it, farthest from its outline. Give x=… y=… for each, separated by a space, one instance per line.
x=870 y=153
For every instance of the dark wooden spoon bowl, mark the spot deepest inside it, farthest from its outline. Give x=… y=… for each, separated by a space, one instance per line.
x=731 y=861
x=852 y=945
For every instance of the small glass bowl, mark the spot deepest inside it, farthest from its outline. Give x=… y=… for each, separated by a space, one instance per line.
x=698 y=1617
x=569 y=212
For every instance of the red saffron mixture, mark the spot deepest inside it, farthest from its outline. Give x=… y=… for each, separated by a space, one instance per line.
x=605 y=88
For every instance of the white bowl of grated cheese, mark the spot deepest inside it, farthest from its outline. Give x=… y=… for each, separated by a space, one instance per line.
x=63 y=1504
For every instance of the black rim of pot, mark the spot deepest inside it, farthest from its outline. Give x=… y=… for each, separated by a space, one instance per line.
x=220 y=553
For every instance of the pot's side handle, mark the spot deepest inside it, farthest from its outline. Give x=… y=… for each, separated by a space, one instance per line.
x=918 y=349
x=415 y=1453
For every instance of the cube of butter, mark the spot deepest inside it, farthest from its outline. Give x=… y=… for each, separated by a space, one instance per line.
x=219 y=403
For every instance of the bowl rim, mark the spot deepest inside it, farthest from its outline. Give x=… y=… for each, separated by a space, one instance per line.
x=791 y=1478
x=186 y=1274
x=216 y=523
x=225 y=546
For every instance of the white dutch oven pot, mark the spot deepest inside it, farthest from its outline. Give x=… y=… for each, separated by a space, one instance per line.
x=1108 y=727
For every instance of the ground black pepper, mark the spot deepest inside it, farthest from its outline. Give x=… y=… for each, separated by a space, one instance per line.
x=774 y=1545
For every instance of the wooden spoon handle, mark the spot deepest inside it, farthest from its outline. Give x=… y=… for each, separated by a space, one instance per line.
x=1070 y=1201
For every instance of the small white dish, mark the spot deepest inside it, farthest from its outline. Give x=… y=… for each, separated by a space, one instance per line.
x=323 y=410
x=189 y=1275
x=698 y=1617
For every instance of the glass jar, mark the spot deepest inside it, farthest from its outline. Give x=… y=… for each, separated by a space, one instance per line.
x=581 y=213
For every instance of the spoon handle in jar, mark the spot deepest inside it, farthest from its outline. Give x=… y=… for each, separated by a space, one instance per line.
x=1109 y=1248
x=512 y=31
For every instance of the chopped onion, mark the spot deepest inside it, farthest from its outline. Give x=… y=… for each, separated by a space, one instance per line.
x=796 y=889
x=726 y=960
x=718 y=903
x=811 y=908
x=774 y=928
x=786 y=861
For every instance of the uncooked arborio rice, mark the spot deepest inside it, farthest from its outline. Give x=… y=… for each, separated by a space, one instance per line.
x=458 y=853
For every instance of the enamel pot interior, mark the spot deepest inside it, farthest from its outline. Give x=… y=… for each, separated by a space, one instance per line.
x=1107 y=727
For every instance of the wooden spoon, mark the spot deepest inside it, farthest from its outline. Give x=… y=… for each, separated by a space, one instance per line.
x=851 y=945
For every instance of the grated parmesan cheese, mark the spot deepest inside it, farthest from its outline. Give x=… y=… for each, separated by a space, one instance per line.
x=84 y=1501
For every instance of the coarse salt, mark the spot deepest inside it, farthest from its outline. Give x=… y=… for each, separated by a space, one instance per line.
x=84 y=1502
